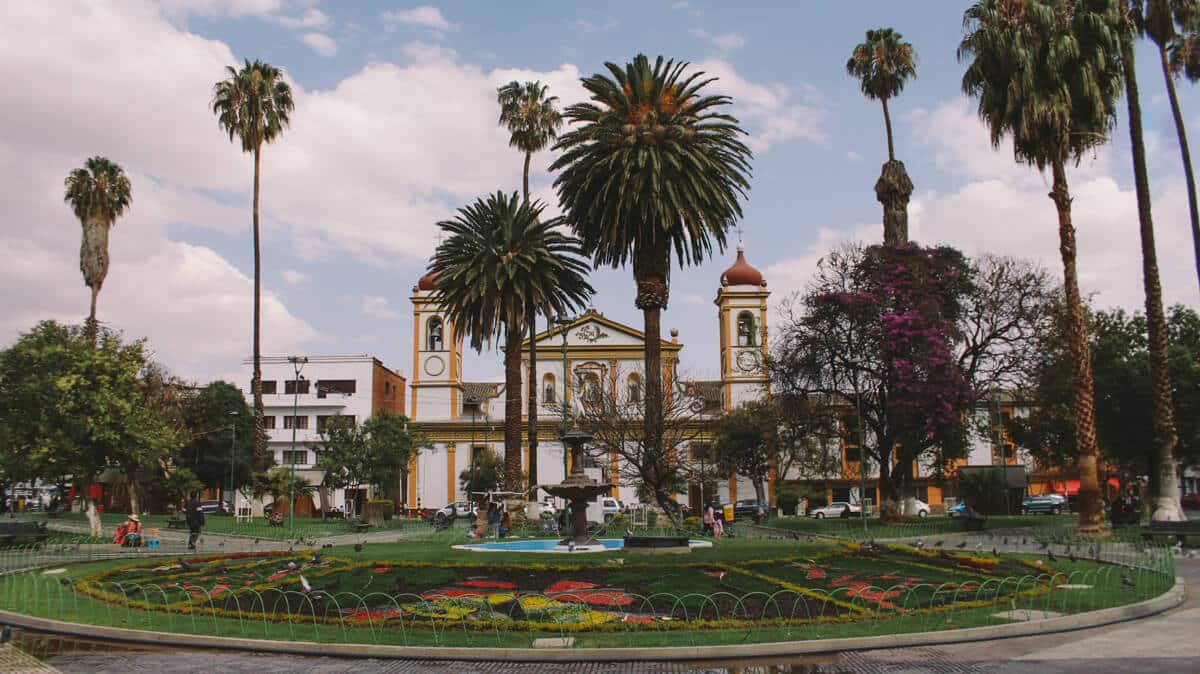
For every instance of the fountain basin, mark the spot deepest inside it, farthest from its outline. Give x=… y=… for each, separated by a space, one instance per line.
x=554 y=546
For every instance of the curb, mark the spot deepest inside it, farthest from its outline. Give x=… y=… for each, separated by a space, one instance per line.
x=1164 y=602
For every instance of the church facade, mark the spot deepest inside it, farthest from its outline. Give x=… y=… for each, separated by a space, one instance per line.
x=584 y=359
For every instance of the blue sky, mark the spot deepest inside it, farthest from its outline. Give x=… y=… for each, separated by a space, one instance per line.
x=395 y=128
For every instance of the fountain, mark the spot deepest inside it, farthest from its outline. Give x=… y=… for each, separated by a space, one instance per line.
x=578 y=489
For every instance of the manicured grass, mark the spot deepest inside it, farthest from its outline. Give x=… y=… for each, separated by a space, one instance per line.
x=914 y=526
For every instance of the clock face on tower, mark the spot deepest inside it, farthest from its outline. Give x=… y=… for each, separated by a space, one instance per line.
x=434 y=366
x=747 y=361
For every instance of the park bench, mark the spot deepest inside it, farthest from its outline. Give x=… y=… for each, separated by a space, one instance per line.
x=22 y=533
x=1181 y=530
x=176 y=522
x=357 y=526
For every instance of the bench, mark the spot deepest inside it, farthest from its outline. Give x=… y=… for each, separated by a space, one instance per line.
x=358 y=526
x=22 y=533
x=973 y=522
x=176 y=522
x=1181 y=530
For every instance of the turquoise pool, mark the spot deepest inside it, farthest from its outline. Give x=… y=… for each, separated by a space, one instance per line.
x=549 y=545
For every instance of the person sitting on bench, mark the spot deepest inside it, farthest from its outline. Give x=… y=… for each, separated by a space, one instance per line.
x=129 y=533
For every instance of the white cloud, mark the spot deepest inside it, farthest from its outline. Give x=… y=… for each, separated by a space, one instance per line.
x=320 y=42
x=220 y=8
x=311 y=18
x=426 y=16
x=770 y=110
x=585 y=26
x=853 y=156
x=724 y=41
x=680 y=4
x=293 y=277
x=693 y=299
x=376 y=306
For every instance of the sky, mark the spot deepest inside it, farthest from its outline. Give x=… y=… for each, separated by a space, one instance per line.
x=395 y=128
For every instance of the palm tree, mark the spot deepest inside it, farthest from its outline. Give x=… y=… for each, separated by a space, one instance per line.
x=883 y=63
x=1178 y=52
x=654 y=169
x=498 y=257
x=254 y=105
x=1047 y=73
x=1128 y=20
x=98 y=193
x=533 y=121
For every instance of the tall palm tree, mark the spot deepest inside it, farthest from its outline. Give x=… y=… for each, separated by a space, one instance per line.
x=533 y=121
x=98 y=193
x=254 y=105
x=1128 y=19
x=1047 y=73
x=654 y=169
x=1178 y=51
x=498 y=256
x=883 y=63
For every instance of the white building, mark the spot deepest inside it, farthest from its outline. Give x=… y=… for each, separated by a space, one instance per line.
x=461 y=417
x=353 y=387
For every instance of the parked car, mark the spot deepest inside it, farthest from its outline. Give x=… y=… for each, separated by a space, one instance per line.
x=919 y=508
x=1044 y=503
x=957 y=510
x=747 y=509
x=1191 y=500
x=603 y=509
x=547 y=507
x=215 y=507
x=450 y=511
x=836 y=509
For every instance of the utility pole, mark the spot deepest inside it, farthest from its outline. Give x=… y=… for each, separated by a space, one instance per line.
x=298 y=363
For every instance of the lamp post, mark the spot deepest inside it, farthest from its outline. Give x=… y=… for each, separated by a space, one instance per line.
x=862 y=457
x=298 y=363
x=563 y=322
x=473 y=402
x=232 y=451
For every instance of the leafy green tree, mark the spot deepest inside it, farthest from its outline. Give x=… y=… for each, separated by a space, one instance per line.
x=883 y=64
x=282 y=487
x=533 y=121
x=181 y=482
x=1127 y=21
x=486 y=473
x=254 y=105
x=744 y=442
x=219 y=428
x=98 y=193
x=71 y=407
x=1048 y=73
x=498 y=254
x=377 y=452
x=652 y=170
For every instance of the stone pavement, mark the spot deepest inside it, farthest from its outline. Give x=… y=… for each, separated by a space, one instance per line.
x=13 y=660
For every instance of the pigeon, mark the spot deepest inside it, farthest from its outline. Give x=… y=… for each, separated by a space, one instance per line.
x=920 y=545
x=185 y=566
x=65 y=581
x=979 y=546
x=1043 y=545
x=1024 y=541
x=5 y=635
x=304 y=584
x=995 y=552
x=1071 y=555
x=221 y=544
x=961 y=545
x=291 y=566
x=1006 y=540
x=1191 y=554
x=316 y=558
x=358 y=547
x=1127 y=580
x=256 y=541
x=1050 y=556
x=938 y=544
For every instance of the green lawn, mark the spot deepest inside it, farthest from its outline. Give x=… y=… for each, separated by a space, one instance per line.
x=914 y=526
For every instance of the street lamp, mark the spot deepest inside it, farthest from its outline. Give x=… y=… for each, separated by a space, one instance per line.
x=563 y=322
x=473 y=402
x=298 y=363
x=232 y=450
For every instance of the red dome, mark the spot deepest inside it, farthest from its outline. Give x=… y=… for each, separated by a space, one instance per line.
x=741 y=273
x=428 y=282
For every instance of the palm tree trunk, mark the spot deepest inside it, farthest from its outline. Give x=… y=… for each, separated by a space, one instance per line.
x=652 y=317
x=1181 y=133
x=512 y=406
x=525 y=183
x=1091 y=510
x=1166 y=497
x=533 y=402
x=260 y=448
x=93 y=263
x=92 y=328
x=887 y=123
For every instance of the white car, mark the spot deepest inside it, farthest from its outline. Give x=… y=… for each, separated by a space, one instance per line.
x=836 y=509
x=547 y=507
x=916 y=507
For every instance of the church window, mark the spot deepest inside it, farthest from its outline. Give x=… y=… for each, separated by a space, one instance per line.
x=745 y=329
x=433 y=332
x=634 y=386
x=590 y=383
x=549 y=390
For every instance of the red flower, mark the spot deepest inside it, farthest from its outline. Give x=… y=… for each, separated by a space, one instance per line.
x=842 y=580
x=383 y=569
x=814 y=573
x=569 y=585
x=495 y=584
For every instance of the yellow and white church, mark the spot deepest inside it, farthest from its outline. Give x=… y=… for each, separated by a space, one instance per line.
x=460 y=417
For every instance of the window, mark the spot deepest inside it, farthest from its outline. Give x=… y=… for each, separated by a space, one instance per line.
x=549 y=390
x=290 y=386
x=634 y=388
x=433 y=334
x=268 y=386
x=476 y=451
x=852 y=454
x=298 y=457
x=300 y=423
x=590 y=384
x=269 y=421
x=745 y=329
x=343 y=386
x=327 y=421
x=699 y=451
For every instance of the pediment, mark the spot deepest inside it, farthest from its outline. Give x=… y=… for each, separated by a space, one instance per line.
x=593 y=330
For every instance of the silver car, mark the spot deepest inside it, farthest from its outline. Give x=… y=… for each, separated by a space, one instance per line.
x=835 y=509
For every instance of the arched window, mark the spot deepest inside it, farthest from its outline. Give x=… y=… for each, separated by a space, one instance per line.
x=591 y=387
x=433 y=334
x=549 y=389
x=745 y=329
x=633 y=385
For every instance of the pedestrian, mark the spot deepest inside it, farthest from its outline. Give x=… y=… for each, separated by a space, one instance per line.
x=129 y=533
x=708 y=520
x=718 y=524
x=195 y=521
x=494 y=520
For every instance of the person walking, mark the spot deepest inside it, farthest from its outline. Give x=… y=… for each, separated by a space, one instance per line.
x=195 y=521
x=708 y=520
